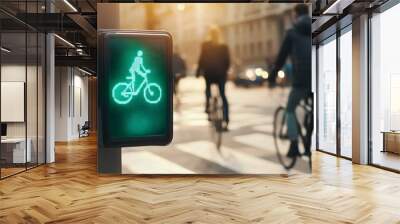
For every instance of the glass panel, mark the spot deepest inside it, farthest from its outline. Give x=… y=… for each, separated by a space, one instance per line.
x=346 y=94
x=327 y=96
x=23 y=90
x=314 y=88
x=32 y=88
x=31 y=98
x=41 y=99
x=13 y=89
x=385 y=84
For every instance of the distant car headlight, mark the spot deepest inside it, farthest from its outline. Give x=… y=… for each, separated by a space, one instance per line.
x=250 y=74
x=265 y=75
x=281 y=74
x=261 y=73
x=258 y=71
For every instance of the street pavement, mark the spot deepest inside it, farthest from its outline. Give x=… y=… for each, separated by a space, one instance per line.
x=248 y=147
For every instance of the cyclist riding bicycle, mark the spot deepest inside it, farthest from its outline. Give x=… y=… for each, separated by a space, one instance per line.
x=214 y=63
x=297 y=46
x=178 y=68
x=137 y=67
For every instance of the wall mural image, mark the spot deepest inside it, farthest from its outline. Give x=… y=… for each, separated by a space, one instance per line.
x=201 y=74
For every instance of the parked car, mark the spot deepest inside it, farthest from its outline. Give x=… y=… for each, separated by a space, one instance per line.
x=252 y=76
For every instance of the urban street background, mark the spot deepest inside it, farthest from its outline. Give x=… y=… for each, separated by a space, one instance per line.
x=253 y=34
x=248 y=147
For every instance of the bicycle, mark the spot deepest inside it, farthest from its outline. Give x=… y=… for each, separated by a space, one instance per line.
x=177 y=93
x=123 y=92
x=304 y=119
x=216 y=118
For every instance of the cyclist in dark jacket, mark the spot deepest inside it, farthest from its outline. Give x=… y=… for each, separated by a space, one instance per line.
x=297 y=46
x=214 y=63
x=178 y=69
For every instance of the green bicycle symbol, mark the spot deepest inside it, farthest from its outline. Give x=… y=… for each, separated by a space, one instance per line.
x=123 y=92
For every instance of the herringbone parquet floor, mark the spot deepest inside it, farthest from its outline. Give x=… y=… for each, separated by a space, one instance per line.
x=70 y=191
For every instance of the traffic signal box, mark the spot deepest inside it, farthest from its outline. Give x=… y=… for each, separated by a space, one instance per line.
x=134 y=88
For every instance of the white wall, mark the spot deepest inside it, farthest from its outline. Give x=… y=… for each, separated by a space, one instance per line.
x=71 y=93
x=13 y=73
x=80 y=94
x=62 y=81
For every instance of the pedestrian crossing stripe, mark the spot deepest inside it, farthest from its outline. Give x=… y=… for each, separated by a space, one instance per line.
x=257 y=140
x=232 y=159
x=143 y=162
x=250 y=122
x=264 y=128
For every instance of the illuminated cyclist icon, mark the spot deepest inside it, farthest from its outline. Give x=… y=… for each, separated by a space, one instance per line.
x=123 y=92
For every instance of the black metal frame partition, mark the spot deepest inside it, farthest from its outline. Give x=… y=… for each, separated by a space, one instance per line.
x=338 y=33
x=29 y=29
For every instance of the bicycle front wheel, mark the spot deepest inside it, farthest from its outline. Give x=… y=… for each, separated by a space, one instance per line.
x=152 y=93
x=281 y=140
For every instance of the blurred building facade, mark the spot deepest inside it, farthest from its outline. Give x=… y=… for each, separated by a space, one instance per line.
x=188 y=24
x=123 y=16
x=254 y=33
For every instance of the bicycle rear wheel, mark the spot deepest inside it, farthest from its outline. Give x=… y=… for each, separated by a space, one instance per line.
x=217 y=120
x=302 y=117
x=308 y=124
x=282 y=142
